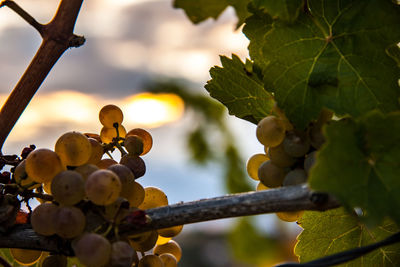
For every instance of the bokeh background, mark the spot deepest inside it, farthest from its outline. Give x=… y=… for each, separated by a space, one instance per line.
x=199 y=151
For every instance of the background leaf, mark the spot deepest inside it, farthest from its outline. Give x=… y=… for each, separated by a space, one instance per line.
x=287 y=10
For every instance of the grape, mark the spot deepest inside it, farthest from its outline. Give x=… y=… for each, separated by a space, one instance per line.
x=296 y=143
x=170 y=247
x=279 y=157
x=124 y=174
x=153 y=197
x=69 y=222
x=309 y=161
x=281 y=114
x=254 y=163
x=93 y=250
x=151 y=261
x=117 y=210
x=47 y=187
x=42 y=165
x=261 y=186
x=107 y=134
x=134 y=193
x=97 y=151
x=22 y=178
x=122 y=254
x=135 y=164
x=68 y=188
x=270 y=174
x=86 y=170
x=325 y=116
x=162 y=240
x=146 y=138
x=294 y=177
x=134 y=145
x=290 y=216
x=317 y=138
x=169 y=260
x=25 y=256
x=170 y=231
x=109 y=115
x=73 y=148
x=144 y=241
x=55 y=260
x=105 y=163
x=270 y=131
x=42 y=219
x=103 y=187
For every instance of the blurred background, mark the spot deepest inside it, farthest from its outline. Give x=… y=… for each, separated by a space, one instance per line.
x=151 y=61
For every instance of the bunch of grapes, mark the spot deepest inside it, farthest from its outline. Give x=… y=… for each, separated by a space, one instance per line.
x=288 y=156
x=92 y=196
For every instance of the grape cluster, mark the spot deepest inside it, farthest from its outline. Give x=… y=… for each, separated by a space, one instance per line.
x=288 y=156
x=92 y=196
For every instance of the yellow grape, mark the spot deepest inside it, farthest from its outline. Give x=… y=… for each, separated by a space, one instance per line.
x=86 y=170
x=43 y=164
x=261 y=186
x=55 y=260
x=68 y=187
x=270 y=174
x=43 y=217
x=146 y=138
x=162 y=240
x=22 y=178
x=170 y=247
x=107 y=134
x=122 y=254
x=117 y=210
x=153 y=197
x=169 y=260
x=290 y=216
x=134 y=193
x=135 y=164
x=111 y=114
x=25 y=256
x=279 y=157
x=270 y=131
x=254 y=163
x=97 y=151
x=105 y=163
x=103 y=187
x=69 y=222
x=144 y=241
x=134 y=145
x=73 y=148
x=170 y=231
x=151 y=261
x=47 y=187
x=93 y=250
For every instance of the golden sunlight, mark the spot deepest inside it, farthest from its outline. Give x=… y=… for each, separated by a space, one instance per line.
x=152 y=110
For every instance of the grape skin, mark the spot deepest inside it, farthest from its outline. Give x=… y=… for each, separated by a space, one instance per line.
x=86 y=170
x=43 y=164
x=42 y=219
x=68 y=188
x=55 y=260
x=135 y=164
x=279 y=157
x=151 y=261
x=134 y=193
x=271 y=175
x=146 y=138
x=22 y=178
x=25 y=256
x=103 y=187
x=69 y=222
x=108 y=134
x=144 y=241
x=296 y=143
x=295 y=177
x=73 y=148
x=290 y=216
x=270 y=131
x=134 y=145
x=122 y=254
x=254 y=163
x=93 y=250
x=154 y=197
x=111 y=114
x=170 y=231
x=170 y=247
x=169 y=260
x=105 y=163
x=97 y=151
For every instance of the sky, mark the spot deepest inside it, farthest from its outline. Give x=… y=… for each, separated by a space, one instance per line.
x=128 y=42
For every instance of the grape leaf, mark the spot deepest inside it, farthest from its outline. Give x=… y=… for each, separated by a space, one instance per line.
x=334 y=231
x=287 y=10
x=360 y=165
x=239 y=90
x=335 y=55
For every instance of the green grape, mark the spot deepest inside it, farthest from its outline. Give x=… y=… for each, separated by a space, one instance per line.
x=109 y=115
x=105 y=163
x=309 y=161
x=270 y=174
x=134 y=193
x=55 y=260
x=68 y=187
x=73 y=148
x=124 y=174
x=92 y=250
x=151 y=261
x=162 y=240
x=102 y=187
x=43 y=217
x=294 y=177
x=42 y=165
x=134 y=145
x=69 y=222
x=135 y=164
x=153 y=198
x=146 y=138
x=22 y=178
x=270 y=131
x=108 y=134
x=170 y=231
x=317 y=138
x=86 y=170
x=97 y=151
x=296 y=143
x=254 y=163
x=279 y=157
x=170 y=247
x=169 y=260
x=261 y=186
x=290 y=216
x=117 y=210
x=25 y=256
x=122 y=254
x=144 y=241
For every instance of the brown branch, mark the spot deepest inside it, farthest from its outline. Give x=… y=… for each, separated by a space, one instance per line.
x=57 y=37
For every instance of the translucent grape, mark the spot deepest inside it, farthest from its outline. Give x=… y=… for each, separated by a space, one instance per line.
x=270 y=174
x=55 y=260
x=68 y=187
x=296 y=143
x=93 y=250
x=146 y=138
x=254 y=163
x=97 y=151
x=144 y=241
x=47 y=187
x=170 y=247
x=309 y=161
x=261 y=186
x=22 y=178
x=153 y=197
x=86 y=170
x=290 y=216
x=117 y=210
x=151 y=261
x=69 y=222
x=170 y=231
x=279 y=157
x=270 y=131
x=73 y=148
x=110 y=114
x=43 y=217
x=135 y=164
x=103 y=187
x=169 y=260
x=162 y=240
x=105 y=163
x=107 y=134
x=124 y=174
x=294 y=177
x=134 y=145
x=134 y=193
x=43 y=164
x=122 y=254
x=25 y=256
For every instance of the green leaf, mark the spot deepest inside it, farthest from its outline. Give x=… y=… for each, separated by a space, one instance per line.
x=287 y=10
x=335 y=55
x=360 y=165
x=334 y=231
x=235 y=174
x=240 y=91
